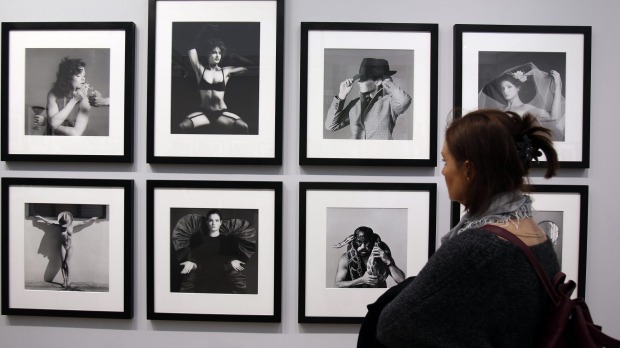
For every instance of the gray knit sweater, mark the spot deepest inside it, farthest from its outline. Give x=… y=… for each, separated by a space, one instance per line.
x=477 y=290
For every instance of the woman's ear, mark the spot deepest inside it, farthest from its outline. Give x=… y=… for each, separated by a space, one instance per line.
x=470 y=170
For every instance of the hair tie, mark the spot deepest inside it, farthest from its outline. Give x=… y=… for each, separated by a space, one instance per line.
x=527 y=152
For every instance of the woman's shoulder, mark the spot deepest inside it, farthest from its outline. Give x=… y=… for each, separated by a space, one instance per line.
x=475 y=238
x=51 y=95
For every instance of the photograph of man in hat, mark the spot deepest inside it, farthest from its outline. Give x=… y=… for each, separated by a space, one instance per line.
x=373 y=114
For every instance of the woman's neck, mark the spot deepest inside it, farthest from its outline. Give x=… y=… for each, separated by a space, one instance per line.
x=514 y=102
x=214 y=233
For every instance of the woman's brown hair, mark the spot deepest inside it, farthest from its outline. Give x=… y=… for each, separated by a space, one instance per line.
x=500 y=146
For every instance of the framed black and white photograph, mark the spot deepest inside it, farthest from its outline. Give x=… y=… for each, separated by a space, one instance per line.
x=214 y=250
x=67 y=92
x=67 y=247
x=356 y=240
x=562 y=212
x=215 y=81
x=540 y=70
x=368 y=94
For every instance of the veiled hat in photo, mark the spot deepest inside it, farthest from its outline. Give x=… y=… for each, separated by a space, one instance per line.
x=65 y=219
x=520 y=76
x=537 y=90
x=373 y=68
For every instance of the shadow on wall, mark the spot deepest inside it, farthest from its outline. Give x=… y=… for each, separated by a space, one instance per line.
x=49 y=248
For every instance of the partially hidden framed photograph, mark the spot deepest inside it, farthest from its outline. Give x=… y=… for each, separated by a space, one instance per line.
x=540 y=70
x=215 y=77
x=368 y=94
x=356 y=240
x=67 y=247
x=68 y=91
x=562 y=212
x=214 y=250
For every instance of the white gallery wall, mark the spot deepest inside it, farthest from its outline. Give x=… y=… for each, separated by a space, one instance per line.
x=603 y=263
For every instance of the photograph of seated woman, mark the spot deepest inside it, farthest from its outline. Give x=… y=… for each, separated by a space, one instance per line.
x=477 y=290
x=215 y=78
x=526 y=89
x=67 y=102
x=67 y=91
x=212 y=253
x=212 y=79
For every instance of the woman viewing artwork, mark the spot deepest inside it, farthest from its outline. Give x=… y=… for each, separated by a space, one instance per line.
x=526 y=88
x=477 y=290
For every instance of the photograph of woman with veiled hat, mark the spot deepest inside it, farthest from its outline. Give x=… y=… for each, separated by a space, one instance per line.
x=366 y=247
x=525 y=82
x=365 y=96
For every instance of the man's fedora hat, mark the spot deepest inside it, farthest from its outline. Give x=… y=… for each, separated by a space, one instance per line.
x=372 y=69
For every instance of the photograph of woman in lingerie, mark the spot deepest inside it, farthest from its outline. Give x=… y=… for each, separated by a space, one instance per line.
x=526 y=88
x=212 y=80
x=212 y=67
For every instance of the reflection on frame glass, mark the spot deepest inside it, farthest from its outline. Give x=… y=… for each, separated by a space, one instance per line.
x=540 y=70
x=214 y=250
x=342 y=225
x=66 y=247
x=72 y=81
x=215 y=81
x=561 y=211
x=368 y=94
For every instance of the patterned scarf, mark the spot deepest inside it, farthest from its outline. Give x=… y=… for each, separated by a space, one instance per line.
x=503 y=208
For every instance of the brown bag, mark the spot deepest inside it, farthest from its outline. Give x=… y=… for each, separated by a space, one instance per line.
x=569 y=323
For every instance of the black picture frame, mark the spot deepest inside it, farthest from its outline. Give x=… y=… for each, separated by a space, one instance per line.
x=248 y=130
x=485 y=54
x=568 y=204
x=329 y=211
x=332 y=52
x=31 y=53
x=170 y=206
x=99 y=289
